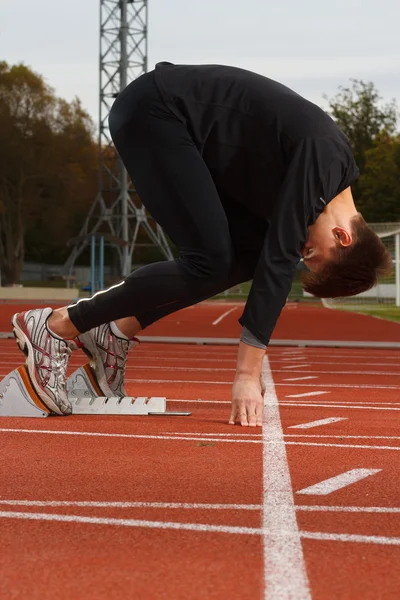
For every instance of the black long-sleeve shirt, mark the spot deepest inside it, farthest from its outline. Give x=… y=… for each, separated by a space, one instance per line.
x=269 y=149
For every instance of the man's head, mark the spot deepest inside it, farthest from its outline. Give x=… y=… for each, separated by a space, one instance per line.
x=344 y=256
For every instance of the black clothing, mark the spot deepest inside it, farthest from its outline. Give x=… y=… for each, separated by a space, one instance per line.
x=269 y=149
x=234 y=167
x=219 y=241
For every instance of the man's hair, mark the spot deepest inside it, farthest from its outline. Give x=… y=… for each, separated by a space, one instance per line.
x=353 y=269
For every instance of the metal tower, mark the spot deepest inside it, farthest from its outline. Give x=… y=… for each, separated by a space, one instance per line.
x=117 y=209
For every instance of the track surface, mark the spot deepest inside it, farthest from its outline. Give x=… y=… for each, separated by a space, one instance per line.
x=111 y=508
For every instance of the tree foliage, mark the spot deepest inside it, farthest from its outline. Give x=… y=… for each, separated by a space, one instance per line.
x=371 y=128
x=48 y=170
x=380 y=182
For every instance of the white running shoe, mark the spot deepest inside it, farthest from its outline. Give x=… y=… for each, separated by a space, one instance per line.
x=46 y=357
x=108 y=355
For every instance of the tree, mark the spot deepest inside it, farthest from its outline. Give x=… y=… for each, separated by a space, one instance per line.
x=380 y=182
x=48 y=170
x=370 y=126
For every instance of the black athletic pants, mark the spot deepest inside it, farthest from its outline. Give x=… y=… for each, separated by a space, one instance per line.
x=219 y=241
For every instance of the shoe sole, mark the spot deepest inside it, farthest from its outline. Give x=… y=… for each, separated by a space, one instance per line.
x=25 y=346
x=90 y=349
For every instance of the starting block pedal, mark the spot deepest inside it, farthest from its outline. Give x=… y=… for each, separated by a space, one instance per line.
x=19 y=399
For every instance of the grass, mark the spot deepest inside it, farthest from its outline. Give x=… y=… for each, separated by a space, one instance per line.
x=388 y=312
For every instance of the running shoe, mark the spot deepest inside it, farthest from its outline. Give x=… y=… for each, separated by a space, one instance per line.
x=46 y=357
x=108 y=355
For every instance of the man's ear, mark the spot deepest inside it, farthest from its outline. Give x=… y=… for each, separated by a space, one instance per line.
x=343 y=237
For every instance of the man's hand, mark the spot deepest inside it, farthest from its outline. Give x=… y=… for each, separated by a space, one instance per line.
x=247 y=401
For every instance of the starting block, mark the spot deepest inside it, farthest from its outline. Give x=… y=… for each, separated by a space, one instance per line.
x=19 y=399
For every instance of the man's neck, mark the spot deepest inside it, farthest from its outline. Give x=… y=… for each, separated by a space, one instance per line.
x=342 y=208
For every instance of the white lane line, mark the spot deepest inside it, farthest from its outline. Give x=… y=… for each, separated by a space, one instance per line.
x=360 y=446
x=328 y=486
x=355 y=509
x=196 y=439
x=293 y=367
x=347 y=537
x=209 y=382
x=292 y=358
x=349 y=406
x=225 y=314
x=92 y=504
x=194 y=506
x=285 y=574
x=312 y=424
x=130 y=523
x=291 y=435
x=284 y=589
x=345 y=437
x=304 y=394
x=301 y=378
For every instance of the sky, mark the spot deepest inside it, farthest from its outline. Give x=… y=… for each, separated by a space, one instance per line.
x=312 y=46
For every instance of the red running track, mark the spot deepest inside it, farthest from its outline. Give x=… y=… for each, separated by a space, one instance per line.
x=189 y=507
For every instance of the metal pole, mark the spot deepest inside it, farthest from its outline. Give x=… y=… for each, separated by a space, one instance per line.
x=397 y=268
x=93 y=266
x=123 y=177
x=101 y=266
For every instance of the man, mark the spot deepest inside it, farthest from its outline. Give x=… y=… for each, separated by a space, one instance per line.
x=245 y=176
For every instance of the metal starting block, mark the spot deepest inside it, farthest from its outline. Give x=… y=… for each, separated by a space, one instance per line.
x=19 y=399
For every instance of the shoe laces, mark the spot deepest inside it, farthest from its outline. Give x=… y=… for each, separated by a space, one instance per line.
x=60 y=360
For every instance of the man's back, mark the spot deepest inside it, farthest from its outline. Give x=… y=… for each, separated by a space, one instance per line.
x=246 y=126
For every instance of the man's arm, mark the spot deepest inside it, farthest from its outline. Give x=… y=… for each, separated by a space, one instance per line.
x=298 y=206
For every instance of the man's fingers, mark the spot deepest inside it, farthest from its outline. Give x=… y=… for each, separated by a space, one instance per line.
x=251 y=413
x=259 y=413
x=232 y=418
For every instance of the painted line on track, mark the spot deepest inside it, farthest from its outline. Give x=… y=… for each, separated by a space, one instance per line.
x=285 y=573
x=266 y=442
x=225 y=314
x=301 y=378
x=275 y=592
x=312 y=424
x=194 y=506
x=306 y=394
x=350 y=537
x=328 y=486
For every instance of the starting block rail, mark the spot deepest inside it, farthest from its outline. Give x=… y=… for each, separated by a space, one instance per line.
x=19 y=399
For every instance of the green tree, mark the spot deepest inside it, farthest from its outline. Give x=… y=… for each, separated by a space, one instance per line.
x=380 y=183
x=358 y=112
x=48 y=170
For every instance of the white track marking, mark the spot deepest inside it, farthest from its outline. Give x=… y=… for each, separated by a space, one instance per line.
x=225 y=314
x=349 y=406
x=345 y=437
x=291 y=435
x=294 y=367
x=173 y=505
x=292 y=358
x=312 y=424
x=359 y=446
x=196 y=439
x=305 y=394
x=284 y=567
x=194 y=506
x=131 y=523
x=352 y=509
x=328 y=486
x=302 y=378
x=208 y=382
x=283 y=592
x=347 y=537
